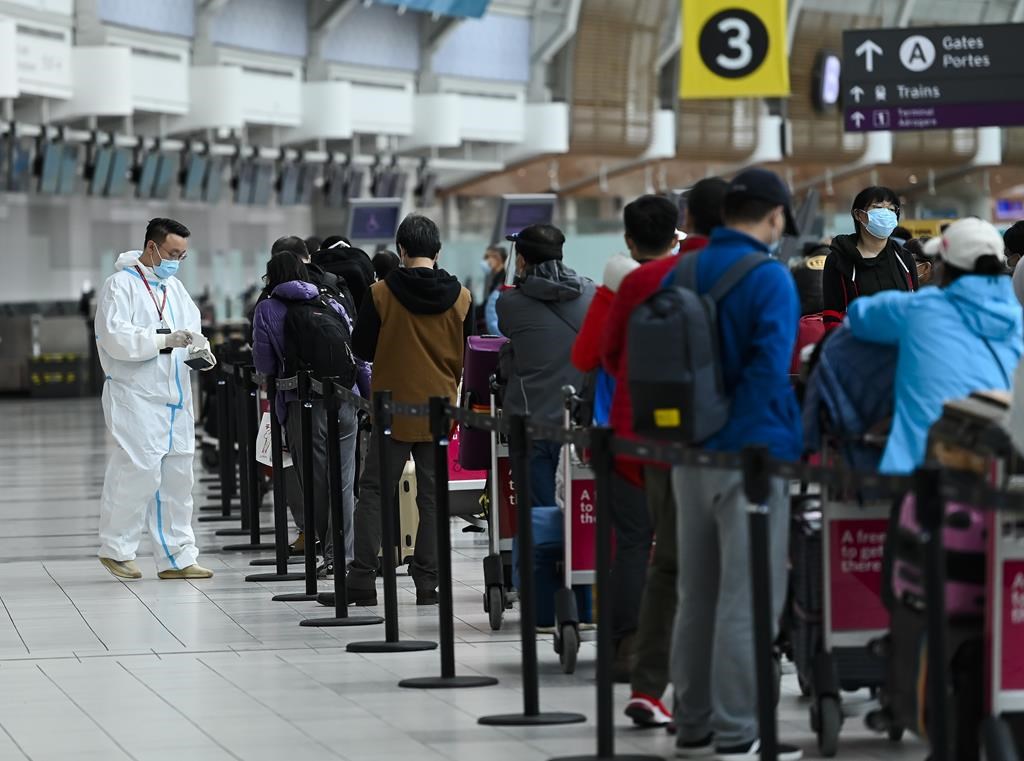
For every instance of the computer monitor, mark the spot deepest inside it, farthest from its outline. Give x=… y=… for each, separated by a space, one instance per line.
x=68 y=170
x=291 y=175
x=214 y=185
x=354 y=183
x=307 y=183
x=103 y=157
x=147 y=175
x=166 y=175
x=373 y=220
x=17 y=164
x=245 y=175
x=263 y=183
x=53 y=159
x=117 y=181
x=519 y=211
x=196 y=167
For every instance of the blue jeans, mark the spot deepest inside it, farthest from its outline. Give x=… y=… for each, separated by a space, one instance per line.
x=543 y=466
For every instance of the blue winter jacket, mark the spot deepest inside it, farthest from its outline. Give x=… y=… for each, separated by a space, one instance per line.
x=757 y=326
x=952 y=341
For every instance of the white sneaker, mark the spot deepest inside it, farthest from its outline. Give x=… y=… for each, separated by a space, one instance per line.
x=753 y=750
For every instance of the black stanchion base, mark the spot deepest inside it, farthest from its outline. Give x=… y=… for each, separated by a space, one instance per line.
x=217 y=518
x=294 y=597
x=346 y=621
x=381 y=646
x=447 y=682
x=531 y=720
x=249 y=547
x=242 y=531
x=616 y=757
x=294 y=560
x=216 y=506
x=276 y=577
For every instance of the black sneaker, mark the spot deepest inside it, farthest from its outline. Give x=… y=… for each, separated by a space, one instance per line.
x=365 y=597
x=325 y=571
x=426 y=598
x=704 y=748
x=753 y=750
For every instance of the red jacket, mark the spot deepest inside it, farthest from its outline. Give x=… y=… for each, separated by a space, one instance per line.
x=586 y=351
x=639 y=286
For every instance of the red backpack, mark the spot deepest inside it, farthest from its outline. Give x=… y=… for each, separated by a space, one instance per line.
x=811 y=331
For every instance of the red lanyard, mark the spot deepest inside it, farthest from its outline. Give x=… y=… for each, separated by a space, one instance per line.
x=159 y=307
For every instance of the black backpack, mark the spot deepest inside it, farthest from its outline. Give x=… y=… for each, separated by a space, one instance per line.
x=675 y=368
x=318 y=339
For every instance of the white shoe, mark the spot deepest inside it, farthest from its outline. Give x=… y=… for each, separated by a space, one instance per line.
x=753 y=750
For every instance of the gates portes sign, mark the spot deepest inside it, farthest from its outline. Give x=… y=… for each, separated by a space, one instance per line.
x=933 y=77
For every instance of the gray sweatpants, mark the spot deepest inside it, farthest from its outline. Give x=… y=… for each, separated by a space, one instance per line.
x=712 y=659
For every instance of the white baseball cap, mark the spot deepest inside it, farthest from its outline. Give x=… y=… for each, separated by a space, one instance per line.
x=965 y=241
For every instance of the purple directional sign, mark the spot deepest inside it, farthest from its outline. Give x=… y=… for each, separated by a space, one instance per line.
x=933 y=77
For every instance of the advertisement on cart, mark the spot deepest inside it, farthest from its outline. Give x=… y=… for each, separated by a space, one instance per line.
x=1012 y=666
x=455 y=471
x=855 y=574
x=584 y=525
x=506 y=499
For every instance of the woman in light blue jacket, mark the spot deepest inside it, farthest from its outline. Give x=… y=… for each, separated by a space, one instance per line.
x=963 y=337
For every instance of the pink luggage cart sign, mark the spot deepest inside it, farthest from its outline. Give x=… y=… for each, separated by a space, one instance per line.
x=455 y=471
x=1012 y=666
x=584 y=525
x=855 y=571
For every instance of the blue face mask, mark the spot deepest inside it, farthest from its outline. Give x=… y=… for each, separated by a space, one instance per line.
x=166 y=268
x=881 y=223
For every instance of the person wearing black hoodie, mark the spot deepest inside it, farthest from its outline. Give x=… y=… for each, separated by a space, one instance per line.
x=869 y=261
x=353 y=265
x=412 y=326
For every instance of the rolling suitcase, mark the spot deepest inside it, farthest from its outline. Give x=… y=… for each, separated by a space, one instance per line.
x=408 y=513
x=481 y=362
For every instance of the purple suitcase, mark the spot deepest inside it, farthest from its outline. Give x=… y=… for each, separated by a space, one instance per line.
x=964 y=538
x=481 y=362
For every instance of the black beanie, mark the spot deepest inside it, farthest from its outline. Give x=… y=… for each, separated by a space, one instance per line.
x=539 y=243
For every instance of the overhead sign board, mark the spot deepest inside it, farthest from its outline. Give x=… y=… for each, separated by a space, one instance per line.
x=933 y=77
x=734 y=49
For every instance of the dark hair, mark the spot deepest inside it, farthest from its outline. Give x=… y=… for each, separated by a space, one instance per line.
x=312 y=244
x=384 y=263
x=290 y=244
x=870 y=195
x=158 y=229
x=500 y=251
x=650 y=222
x=915 y=246
x=704 y=205
x=740 y=209
x=419 y=237
x=988 y=265
x=1013 y=238
x=902 y=233
x=284 y=269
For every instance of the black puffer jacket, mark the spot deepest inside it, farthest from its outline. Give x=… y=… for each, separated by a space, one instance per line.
x=849 y=275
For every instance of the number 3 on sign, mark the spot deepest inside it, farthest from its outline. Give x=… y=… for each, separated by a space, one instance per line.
x=734 y=49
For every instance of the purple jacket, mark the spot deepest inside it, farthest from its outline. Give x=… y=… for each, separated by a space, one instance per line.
x=268 y=338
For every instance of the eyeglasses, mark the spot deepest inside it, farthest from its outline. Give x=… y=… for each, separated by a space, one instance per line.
x=173 y=255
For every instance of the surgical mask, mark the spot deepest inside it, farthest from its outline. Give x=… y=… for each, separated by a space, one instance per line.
x=773 y=248
x=881 y=222
x=166 y=268
x=485 y=267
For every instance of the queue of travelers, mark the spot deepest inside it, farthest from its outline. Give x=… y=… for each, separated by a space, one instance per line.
x=851 y=322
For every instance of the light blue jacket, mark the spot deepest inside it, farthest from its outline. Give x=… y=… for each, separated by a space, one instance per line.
x=952 y=341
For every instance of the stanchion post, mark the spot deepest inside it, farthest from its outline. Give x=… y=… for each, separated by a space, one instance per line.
x=757 y=489
x=225 y=446
x=439 y=428
x=305 y=394
x=249 y=411
x=280 y=498
x=603 y=462
x=239 y=403
x=930 y=516
x=388 y=518
x=332 y=408
x=519 y=453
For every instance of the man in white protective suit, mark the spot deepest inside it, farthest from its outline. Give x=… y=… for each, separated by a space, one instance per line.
x=146 y=328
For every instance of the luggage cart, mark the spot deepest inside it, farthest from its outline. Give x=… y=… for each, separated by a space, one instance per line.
x=833 y=644
x=501 y=521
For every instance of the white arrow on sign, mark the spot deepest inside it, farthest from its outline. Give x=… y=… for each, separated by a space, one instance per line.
x=869 y=49
x=858 y=118
x=857 y=93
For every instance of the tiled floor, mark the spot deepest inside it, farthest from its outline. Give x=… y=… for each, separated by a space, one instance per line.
x=93 y=669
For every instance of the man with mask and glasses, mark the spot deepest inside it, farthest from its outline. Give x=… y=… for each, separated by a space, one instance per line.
x=145 y=325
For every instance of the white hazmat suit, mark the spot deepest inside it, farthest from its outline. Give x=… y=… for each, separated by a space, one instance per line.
x=147 y=403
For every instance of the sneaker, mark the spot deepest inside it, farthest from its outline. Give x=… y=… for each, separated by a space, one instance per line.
x=193 y=571
x=753 y=750
x=428 y=597
x=646 y=711
x=298 y=547
x=325 y=571
x=696 y=748
x=364 y=597
x=122 y=569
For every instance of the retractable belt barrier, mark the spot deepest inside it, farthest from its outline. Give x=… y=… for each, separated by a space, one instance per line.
x=758 y=469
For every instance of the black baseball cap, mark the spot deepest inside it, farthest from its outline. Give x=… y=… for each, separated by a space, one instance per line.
x=765 y=186
x=539 y=243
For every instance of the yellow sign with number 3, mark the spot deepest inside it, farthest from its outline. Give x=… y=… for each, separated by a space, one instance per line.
x=734 y=49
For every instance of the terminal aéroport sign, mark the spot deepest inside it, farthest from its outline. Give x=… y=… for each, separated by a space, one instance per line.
x=933 y=77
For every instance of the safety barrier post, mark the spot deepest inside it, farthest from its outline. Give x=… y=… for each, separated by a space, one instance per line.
x=930 y=516
x=249 y=411
x=239 y=409
x=603 y=462
x=519 y=453
x=439 y=429
x=339 y=530
x=757 y=489
x=225 y=453
x=280 y=498
x=389 y=543
x=305 y=393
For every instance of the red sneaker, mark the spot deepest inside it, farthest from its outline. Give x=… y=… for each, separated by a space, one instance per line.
x=646 y=711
